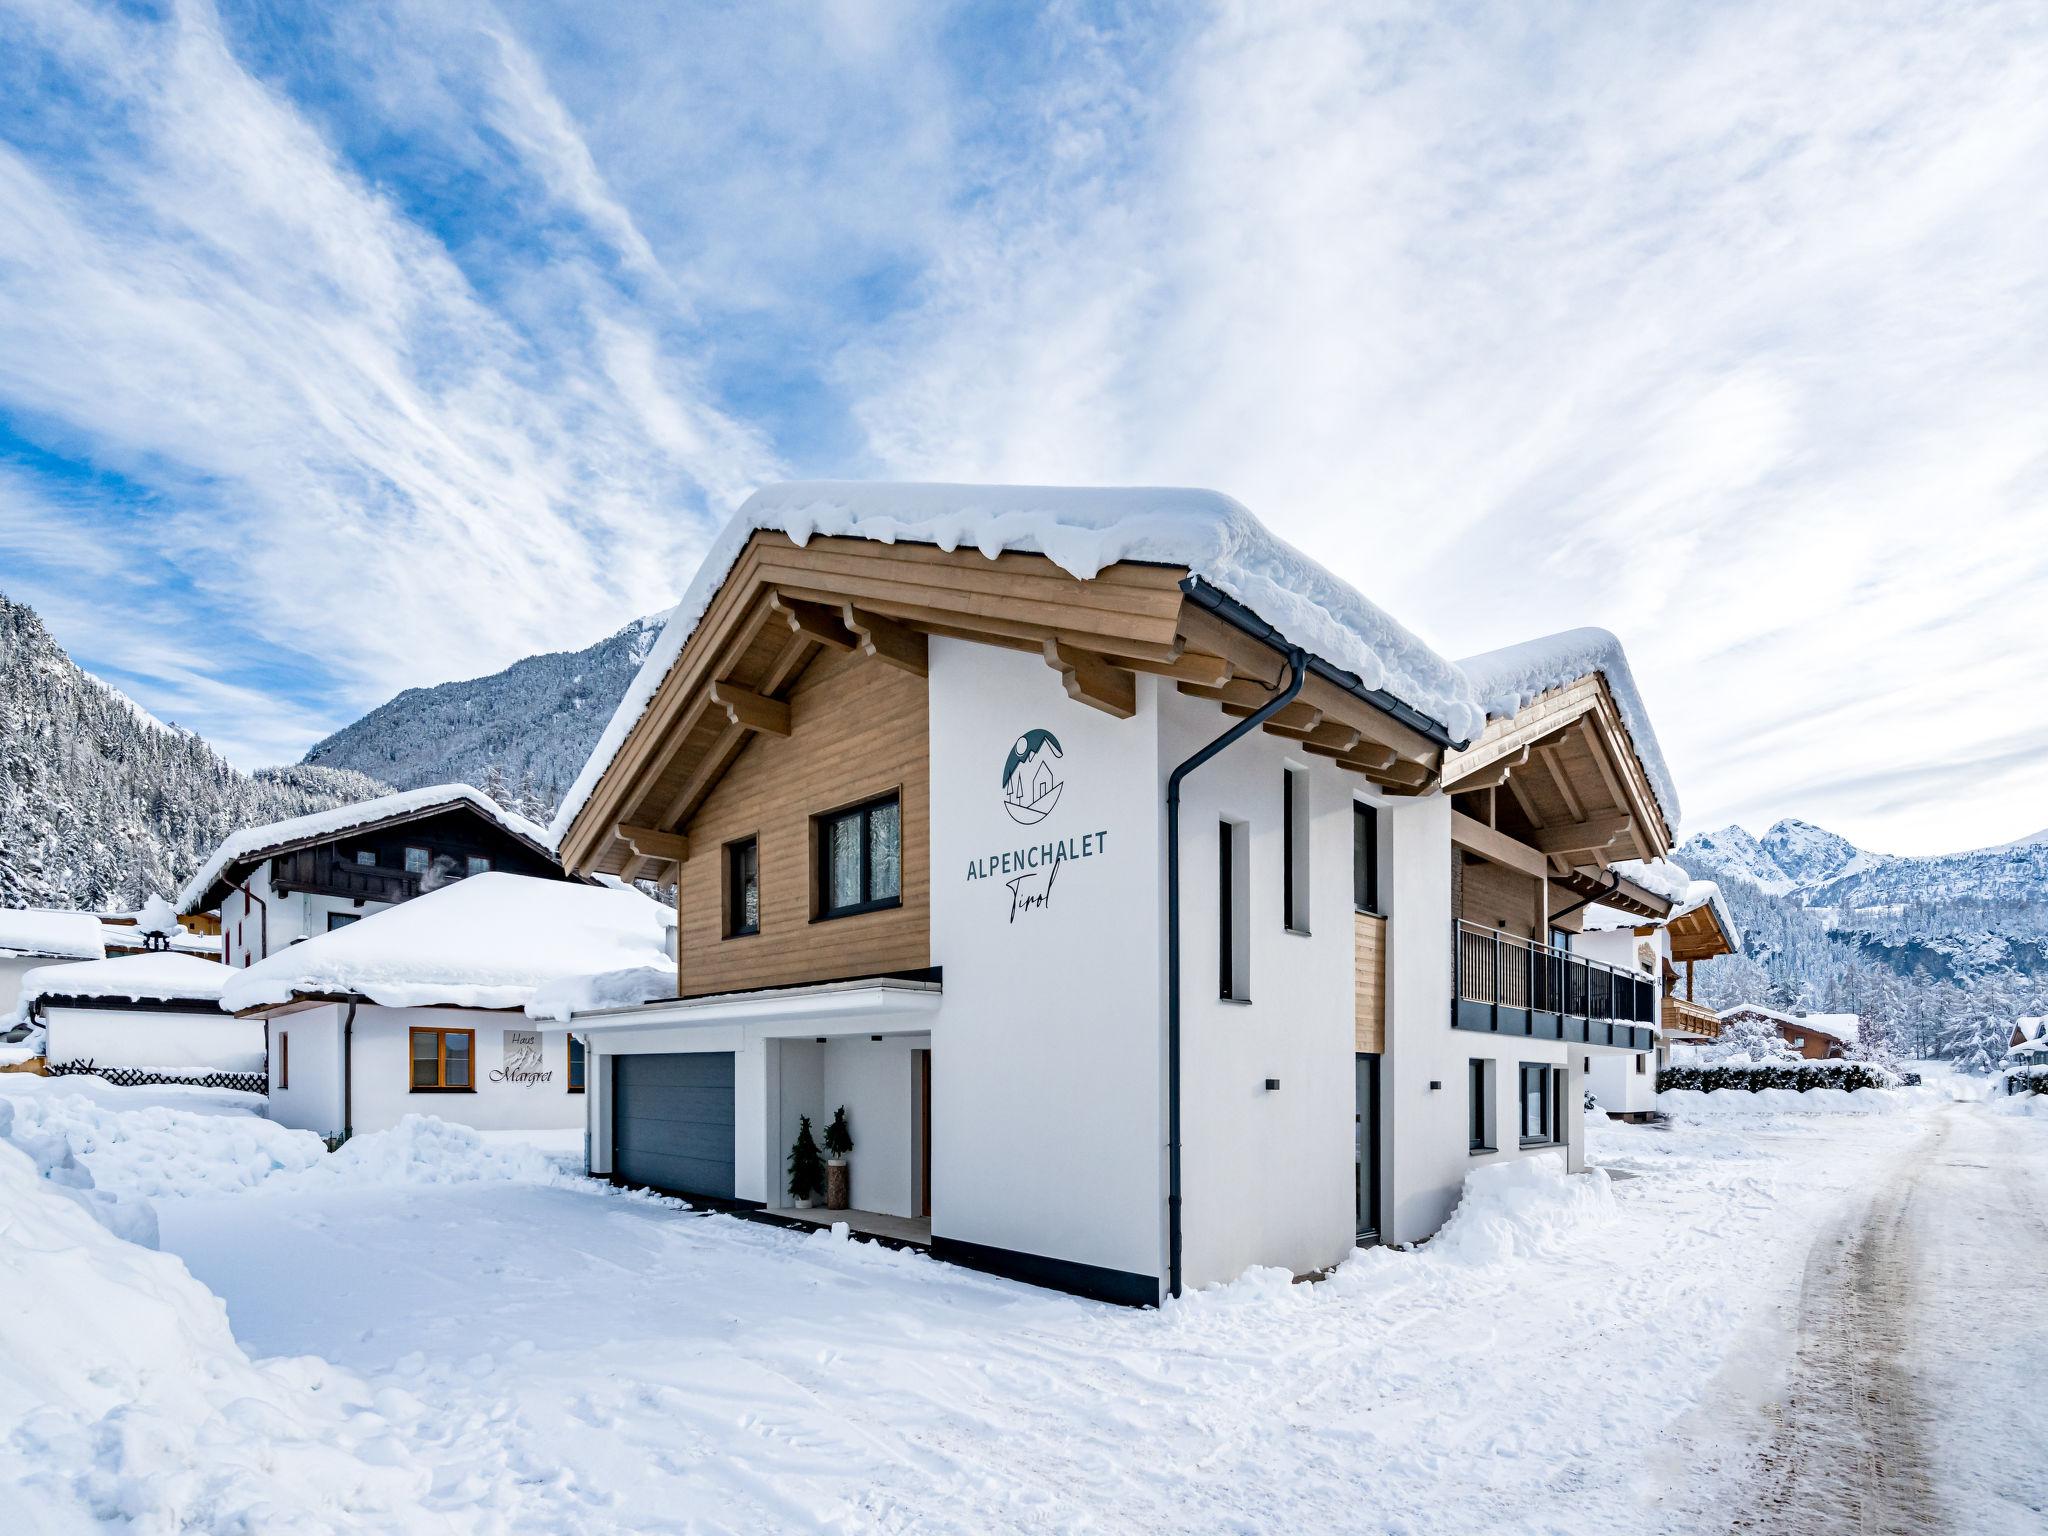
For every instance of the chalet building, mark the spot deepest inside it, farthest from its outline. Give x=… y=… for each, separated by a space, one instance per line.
x=1698 y=927
x=143 y=1017
x=1155 y=905
x=269 y=887
x=34 y=937
x=419 y=1009
x=1815 y=1036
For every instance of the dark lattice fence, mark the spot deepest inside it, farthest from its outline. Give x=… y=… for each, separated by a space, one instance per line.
x=135 y=1077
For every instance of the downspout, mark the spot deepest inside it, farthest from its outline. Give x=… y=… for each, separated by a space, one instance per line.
x=1297 y=673
x=348 y=1072
x=1613 y=885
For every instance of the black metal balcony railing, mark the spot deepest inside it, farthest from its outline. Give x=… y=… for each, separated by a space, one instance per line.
x=319 y=871
x=1510 y=985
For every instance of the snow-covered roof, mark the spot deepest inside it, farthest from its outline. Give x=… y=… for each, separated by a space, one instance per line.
x=122 y=938
x=1082 y=530
x=629 y=988
x=252 y=843
x=1845 y=1027
x=1508 y=680
x=40 y=931
x=1676 y=885
x=165 y=976
x=485 y=942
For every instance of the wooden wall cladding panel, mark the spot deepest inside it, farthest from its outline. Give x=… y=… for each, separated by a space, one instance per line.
x=1493 y=894
x=1369 y=966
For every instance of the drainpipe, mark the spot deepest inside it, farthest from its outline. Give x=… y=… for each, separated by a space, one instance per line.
x=1613 y=885
x=1297 y=673
x=348 y=1072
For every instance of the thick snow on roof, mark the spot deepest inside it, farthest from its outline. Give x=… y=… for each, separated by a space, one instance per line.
x=1676 y=885
x=1082 y=530
x=484 y=942
x=121 y=938
x=39 y=931
x=1843 y=1026
x=1508 y=680
x=251 y=842
x=629 y=988
x=161 y=977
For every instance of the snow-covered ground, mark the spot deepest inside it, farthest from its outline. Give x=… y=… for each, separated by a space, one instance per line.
x=496 y=1344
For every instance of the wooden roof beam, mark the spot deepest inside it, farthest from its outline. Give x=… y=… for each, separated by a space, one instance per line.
x=1492 y=776
x=1333 y=736
x=814 y=620
x=751 y=711
x=888 y=641
x=1297 y=715
x=1588 y=836
x=1091 y=679
x=661 y=847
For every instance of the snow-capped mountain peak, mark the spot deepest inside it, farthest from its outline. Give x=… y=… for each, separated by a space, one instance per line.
x=1807 y=854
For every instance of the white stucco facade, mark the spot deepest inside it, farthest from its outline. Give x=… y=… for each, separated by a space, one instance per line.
x=257 y=921
x=1625 y=1082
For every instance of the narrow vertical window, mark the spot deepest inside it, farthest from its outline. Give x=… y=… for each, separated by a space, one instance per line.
x=1479 y=1105
x=742 y=888
x=575 y=1065
x=1294 y=849
x=1365 y=857
x=1226 y=919
x=1540 y=1118
x=284 y=1060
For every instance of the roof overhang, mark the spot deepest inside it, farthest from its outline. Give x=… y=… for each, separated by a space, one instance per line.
x=1698 y=934
x=784 y=604
x=805 y=1009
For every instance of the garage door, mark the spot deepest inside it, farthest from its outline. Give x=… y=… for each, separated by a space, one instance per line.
x=672 y=1121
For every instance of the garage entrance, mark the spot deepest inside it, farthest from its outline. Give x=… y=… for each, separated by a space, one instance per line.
x=672 y=1122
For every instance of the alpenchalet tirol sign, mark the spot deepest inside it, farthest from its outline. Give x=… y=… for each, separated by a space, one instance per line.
x=1033 y=781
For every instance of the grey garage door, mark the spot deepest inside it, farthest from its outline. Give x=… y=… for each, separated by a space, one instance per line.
x=672 y=1121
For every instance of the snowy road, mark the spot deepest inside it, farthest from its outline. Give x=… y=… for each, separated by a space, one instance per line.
x=1799 y=1324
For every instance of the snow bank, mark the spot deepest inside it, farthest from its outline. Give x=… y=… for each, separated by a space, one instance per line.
x=486 y=942
x=69 y=935
x=1082 y=530
x=629 y=988
x=152 y=1151
x=1527 y=1208
x=251 y=842
x=421 y=1149
x=124 y=1399
x=1508 y=680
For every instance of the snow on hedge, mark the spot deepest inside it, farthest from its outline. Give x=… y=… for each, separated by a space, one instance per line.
x=38 y=931
x=251 y=842
x=1082 y=530
x=1508 y=680
x=163 y=976
x=485 y=942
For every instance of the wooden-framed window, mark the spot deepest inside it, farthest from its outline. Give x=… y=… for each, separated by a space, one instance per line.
x=366 y=856
x=443 y=1061
x=742 y=887
x=1365 y=856
x=576 y=1071
x=284 y=1059
x=479 y=865
x=860 y=858
x=417 y=861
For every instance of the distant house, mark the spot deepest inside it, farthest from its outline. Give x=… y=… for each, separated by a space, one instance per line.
x=274 y=885
x=2029 y=1039
x=143 y=1018
x=32 y=937
x=1816 y=1036
x=418 y=1008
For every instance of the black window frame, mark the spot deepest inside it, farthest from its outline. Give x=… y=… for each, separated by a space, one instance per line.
x=1479 y=1108
x=475 y=864
x=340 y=920
x=1365 y=859
x=736 y=927
x=821 y=844
x=1293 y=890
x=1226 y=911
x=366 y=858
x=1549 y=1103
x=578 y=1073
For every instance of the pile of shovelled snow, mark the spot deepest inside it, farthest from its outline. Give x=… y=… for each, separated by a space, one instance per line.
x=423 y=1150
x=629 y=988
x=39 y=931
x=2019 y=1104
x=249 y=842
x=1527 y=1207
x=485 y=942
x=50 y=1154
x=1689 y=1104
x=1508 y=680
x=157 y=1152
x=1081 y=529
x=124 y=1399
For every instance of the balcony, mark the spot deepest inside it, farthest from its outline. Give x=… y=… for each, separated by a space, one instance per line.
x=321 y=873
x=1507 y=985
x=1687 y=1020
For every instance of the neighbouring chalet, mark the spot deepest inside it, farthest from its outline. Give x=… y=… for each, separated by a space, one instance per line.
x=151 y=1017
x=34 y=937
x=1698 y=927
x=269 y=887
x=1156 y=905
x=1815 y=1036
x=418 y=1008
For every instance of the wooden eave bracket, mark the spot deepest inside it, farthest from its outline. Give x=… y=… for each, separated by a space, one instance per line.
x=815 y=621
x=751 y=711
x=666 y=847
x=1090 y=678
x=888 y=641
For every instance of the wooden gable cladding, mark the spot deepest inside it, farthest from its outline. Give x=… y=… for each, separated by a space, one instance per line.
x=1562 y=776
x=856 y=731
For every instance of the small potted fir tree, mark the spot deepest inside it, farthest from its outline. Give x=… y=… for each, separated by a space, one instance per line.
x=806 y=1168
x=838 y=1142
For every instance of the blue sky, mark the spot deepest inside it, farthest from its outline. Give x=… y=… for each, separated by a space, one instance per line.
x=349 y=349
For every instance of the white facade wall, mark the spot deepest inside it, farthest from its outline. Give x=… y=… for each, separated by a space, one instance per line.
x=253 y=930
x=12 y=969
x=153 y=1039
x=382 y=1085
x=1625 y=1082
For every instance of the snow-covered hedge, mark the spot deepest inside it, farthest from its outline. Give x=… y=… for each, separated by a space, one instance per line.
x=2027 y=1080
x=1755 y=1076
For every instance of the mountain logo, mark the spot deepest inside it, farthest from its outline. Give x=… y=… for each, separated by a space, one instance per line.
x=1031 y=781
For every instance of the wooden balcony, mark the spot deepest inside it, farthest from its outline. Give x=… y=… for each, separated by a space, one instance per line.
x=321 y=872
x=1684 y=1020
x=1369 y=968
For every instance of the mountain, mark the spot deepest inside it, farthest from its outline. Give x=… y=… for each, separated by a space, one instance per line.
x=521 y=735
x=1950 y=946
x=101 y=804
